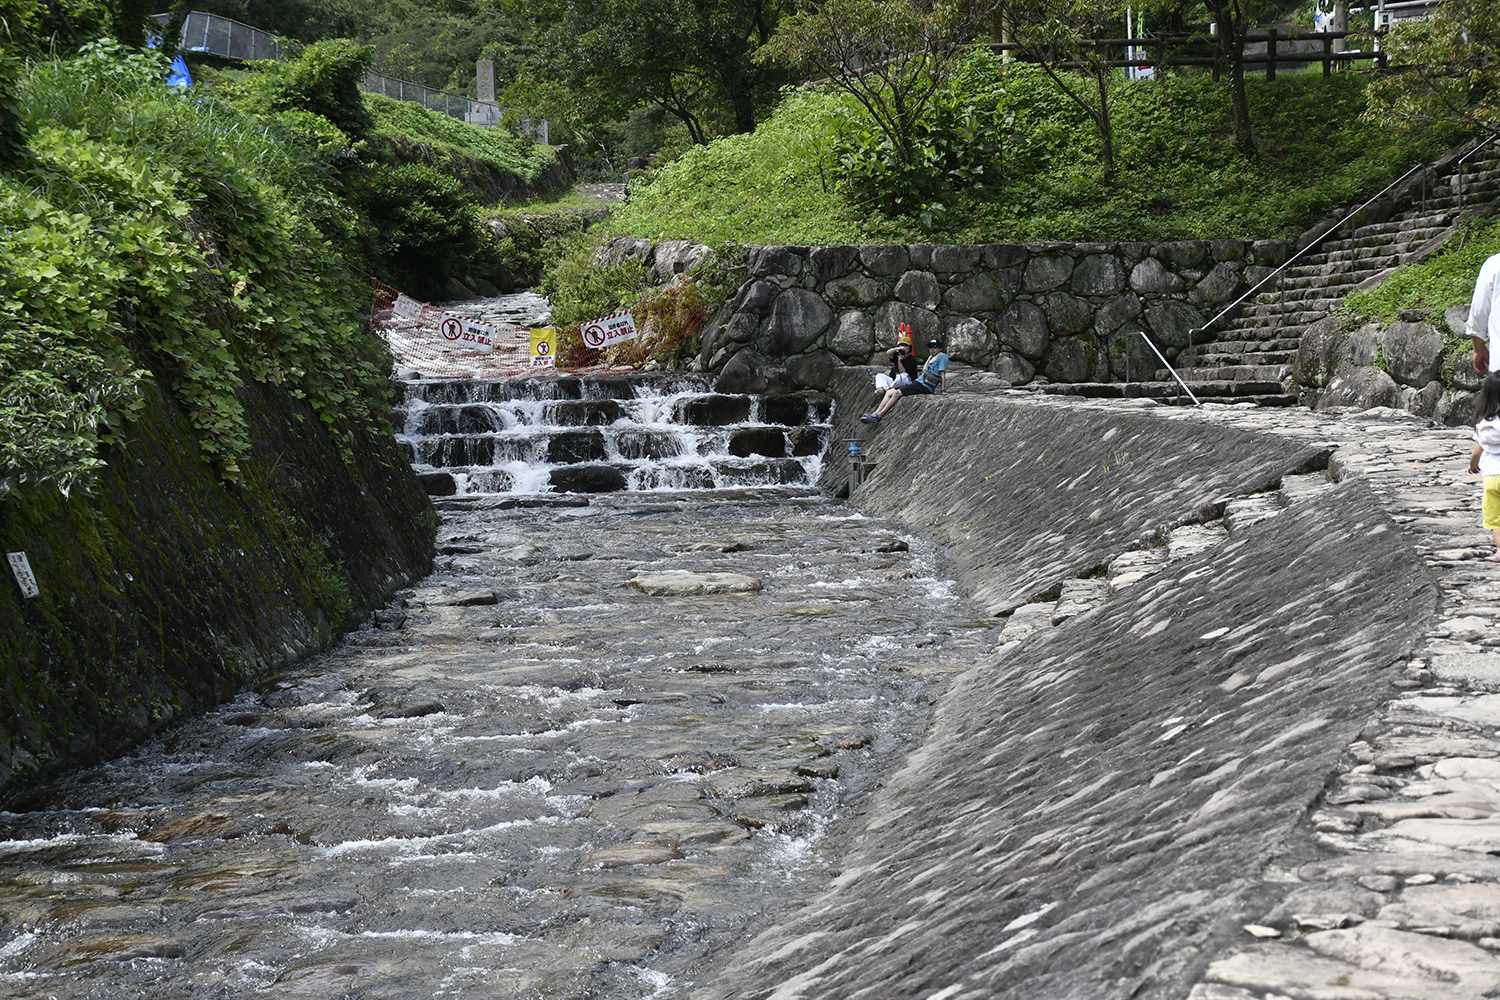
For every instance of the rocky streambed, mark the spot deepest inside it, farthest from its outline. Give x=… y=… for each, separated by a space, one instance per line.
x=585 y=757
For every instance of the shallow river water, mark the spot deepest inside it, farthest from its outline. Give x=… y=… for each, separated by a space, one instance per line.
x=525 y=779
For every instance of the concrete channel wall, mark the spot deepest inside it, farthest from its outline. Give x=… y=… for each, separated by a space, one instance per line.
x=1095 y=810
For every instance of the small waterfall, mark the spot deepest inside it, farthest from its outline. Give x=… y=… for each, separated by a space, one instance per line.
x=604 y=434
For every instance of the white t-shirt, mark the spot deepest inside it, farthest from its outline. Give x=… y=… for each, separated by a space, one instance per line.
x=1484 y=311
x=1487 y=433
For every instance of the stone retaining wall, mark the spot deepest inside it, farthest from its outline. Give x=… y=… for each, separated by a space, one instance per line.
x=1068 y=311
x=1095 y=811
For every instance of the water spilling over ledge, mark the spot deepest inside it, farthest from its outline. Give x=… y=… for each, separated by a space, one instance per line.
x=600 y=435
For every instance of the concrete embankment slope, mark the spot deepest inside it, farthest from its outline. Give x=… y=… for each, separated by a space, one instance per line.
x=1097 y=807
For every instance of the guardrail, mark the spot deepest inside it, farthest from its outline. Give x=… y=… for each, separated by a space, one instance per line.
x=213 y=34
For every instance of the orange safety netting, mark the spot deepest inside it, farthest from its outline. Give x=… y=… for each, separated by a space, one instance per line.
x=414 y=332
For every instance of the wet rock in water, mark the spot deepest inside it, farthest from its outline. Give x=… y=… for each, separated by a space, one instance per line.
x=572 y=447
x=126 y=947
x=470 y=599
x=625 y=855
x=806 y=441
x=202 y=825
x=788 y=410
x=717 y=547
x=413 y=710
x=706 y=834
x=748 y=784
x=714 y=411
x=768 y=442
x=438 y=484
x=587 y=479
x=586 y=412
x=892 y=545
x=678 y=582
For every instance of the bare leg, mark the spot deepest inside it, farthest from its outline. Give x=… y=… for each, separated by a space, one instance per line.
x=1495 y=532
x=892 y=397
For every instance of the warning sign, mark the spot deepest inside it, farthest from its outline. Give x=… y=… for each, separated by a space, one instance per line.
x=25 y=578
x=543 y=346
x=610 y=330
x=469 y=332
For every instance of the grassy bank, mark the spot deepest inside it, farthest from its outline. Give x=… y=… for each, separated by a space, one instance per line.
x=1178 y=176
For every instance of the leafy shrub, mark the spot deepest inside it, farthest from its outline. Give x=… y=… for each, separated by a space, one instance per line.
x=1443 y=280
x=421 y=226
x=582 y=288
x=324 y=79
x=501 y=148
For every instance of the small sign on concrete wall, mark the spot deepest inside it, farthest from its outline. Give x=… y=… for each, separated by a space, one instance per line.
x=21 y=567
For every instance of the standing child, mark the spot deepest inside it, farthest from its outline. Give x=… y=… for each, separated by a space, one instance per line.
x=1485 y=458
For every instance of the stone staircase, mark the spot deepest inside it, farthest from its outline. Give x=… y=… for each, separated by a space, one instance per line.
x=1258 y=346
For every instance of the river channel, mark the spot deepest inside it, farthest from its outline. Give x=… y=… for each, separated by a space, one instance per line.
x=525 y=778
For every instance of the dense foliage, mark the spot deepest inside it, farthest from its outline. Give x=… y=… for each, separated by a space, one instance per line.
x=1178 y=175
x=156 y=234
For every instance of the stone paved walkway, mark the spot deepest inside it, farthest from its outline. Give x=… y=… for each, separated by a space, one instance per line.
x=1400 y=894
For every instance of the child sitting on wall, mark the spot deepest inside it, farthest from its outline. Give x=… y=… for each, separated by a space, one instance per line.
x=1485 y=458
x=934 y=378
x=904 y=367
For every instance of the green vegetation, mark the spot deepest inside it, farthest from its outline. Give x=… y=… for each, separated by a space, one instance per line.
x=1178 y=174
x=502 y=149
x=1445 y=279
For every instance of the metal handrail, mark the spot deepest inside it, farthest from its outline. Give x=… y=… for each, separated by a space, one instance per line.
x=1293 y=258
x=1459 y=170
x=1195 y=399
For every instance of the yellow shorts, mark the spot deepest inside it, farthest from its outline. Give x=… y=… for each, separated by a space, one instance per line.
x=1492 y=502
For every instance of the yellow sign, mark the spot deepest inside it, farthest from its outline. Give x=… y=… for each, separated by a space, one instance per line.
x=543 y=346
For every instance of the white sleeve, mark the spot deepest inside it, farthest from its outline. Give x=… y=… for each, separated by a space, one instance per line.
x=1478 y=324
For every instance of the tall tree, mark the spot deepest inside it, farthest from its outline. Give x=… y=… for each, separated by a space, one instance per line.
x=1234 y=19
x=1447 y=69
x=891 y=56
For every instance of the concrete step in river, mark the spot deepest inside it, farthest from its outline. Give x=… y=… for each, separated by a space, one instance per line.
x=527 y=777
x=599 y=435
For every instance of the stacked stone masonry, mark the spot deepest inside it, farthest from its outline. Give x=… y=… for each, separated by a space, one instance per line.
x=1071 y=312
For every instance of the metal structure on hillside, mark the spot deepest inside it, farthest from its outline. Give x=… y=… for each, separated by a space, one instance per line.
x=211 y=34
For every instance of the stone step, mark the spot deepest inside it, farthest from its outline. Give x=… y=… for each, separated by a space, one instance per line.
x=1232 y=373
x=1259 y=393
x=1218 y=358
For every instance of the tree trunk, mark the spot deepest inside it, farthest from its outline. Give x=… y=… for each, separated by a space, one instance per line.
x=130 y=22
x=1106 y=132
x=1232 y=44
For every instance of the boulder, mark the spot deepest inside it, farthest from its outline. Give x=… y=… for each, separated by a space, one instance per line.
x=572 y=447
x=1013 y=368
x=1458 y=370
x=1425 y=402
x=1226 y=249
x=832 y=262
x=674 y=257
x=1184 y=253
x=1023 y=328
x=953 y=258
x=999 y=256
x=1149 y=277
x=759 y=296
x=853 y=335
x=1098 y=274
x=741 y=329
x=1413 y=353
x=1076 y=359
x=1270 y=253
x=1130 y=357
x=767 y=442
x=1364 y=345
x=924 y=324
x=920 y=288
x=884 y=258
x=806 y=441
x=438 y=484
x=1363 y=387
x=1118 y=310
x=676 y=583
x=813 y=371
x=1172 y=321
x=798 y=318
x=788 y=410
x=587 y=479
x=765 y=261
x=586 y=412
x=1067 y=314
x=970 y=340
x=1457 y=318
x=1047 y=271
x=1322 y=353
x=981 y=293
x=857 y=290
x=751 y=372
x=1218 y=287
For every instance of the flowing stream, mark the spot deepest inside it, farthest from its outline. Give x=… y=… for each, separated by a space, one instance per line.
x=525 y=777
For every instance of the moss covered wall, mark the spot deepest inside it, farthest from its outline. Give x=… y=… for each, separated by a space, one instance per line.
x=166 y=590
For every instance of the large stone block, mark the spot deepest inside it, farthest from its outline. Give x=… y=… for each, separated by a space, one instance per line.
x=1068 y=314
x=924 y=324
x=1227 y=249
x=1047 y=271
x=1098 y=274
x=1119 y=309
x=981 y=293
x=951 y=259
x=1184 y=253
x=1364 y=345
x=766 y=261
x=1362 y=387
x=798 y=318
x=832 y=262
x=1130 y=357
x=759 y=297
x=1004 y=255
x=1023 y=329
x=853 y=336
x=884 y=258
x=857 y=290
x=1413 y=353
x=1013 y=368
x=749 y=372
x=969 y=340
x=1322 y=353
x=741 y=329
x=813 y=371
x=1150 y=277
x=920 y=288
x=1076 y=359
x=1270 y=253
x=1172 y=322
x=1218 y=287
x=1458 y=370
